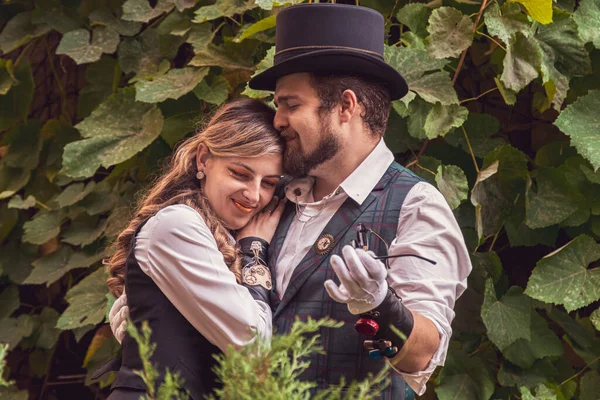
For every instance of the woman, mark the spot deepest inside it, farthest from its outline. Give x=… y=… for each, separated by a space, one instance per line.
x=178 y=260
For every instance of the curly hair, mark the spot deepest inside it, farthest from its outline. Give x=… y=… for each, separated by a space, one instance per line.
x=242 y=128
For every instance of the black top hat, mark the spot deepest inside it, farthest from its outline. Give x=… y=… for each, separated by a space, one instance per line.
x=330 y=38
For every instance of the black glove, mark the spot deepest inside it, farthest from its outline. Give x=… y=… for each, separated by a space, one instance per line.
x=256 y=276
x=391 y=312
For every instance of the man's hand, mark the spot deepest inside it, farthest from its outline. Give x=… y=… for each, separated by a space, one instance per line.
x=117 y=317
x=363 y=286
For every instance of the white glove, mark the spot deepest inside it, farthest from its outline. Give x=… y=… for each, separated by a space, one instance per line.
x=362 y=280
x=117 y=317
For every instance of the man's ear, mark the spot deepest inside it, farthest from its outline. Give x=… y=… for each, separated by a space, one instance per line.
x=349 y=105
x=202 y=156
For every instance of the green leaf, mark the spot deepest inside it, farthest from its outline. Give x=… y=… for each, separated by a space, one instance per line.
x=555 y=200
x=542 y=392
x=269 y=4
x=102 y=79
x=19 y=31
x=480 y=129
x=464 y=377
x=229 y=56
x=543 y=343
x=173 y=85
x=7 y=76
x=418 y=111
x=222 y=8
x=18 y=203
x=60 y=18
x=47 y=333
x=522 y=62
x=12 y=180
x=415 y=16
x=264 y=64
x=25 y=148
x=12 y=330
x=450 y=31
x=215 y=93
x=587 y=17
x=581 y=122
x=76 y=44
x=500 y=183
x=84 y=230
x=16 y=104
x=87 y=302
x=9 y=301
x=508 y=319
x=140 y=54
x=43 y=227
x=595 y=318
x=435 y=87
x=505 y=22
x=452 y=183
x=562 y=39
x=441 y=119
x=590 y=382
x=260 y=26
x=117 y=130
x=539 y=10
x=510 y=375
x=74 y=193
x=140 y=10
x=12 y=393
x=50 y=268
x=104 y=16
x=563 y=277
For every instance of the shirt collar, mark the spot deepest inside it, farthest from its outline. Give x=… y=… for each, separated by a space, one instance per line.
x=357 y=185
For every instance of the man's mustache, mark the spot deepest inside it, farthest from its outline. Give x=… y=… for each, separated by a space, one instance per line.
x=288 y=133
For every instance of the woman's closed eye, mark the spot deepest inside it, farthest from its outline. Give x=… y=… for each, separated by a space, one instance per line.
x=242 y=175
x=269 y=183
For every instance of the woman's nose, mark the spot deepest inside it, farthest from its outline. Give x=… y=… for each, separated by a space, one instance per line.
x=252 y=193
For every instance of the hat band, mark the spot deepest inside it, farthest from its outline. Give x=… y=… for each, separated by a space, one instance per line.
x=373 y=53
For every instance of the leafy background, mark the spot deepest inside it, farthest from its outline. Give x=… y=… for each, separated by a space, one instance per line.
x=503 y=116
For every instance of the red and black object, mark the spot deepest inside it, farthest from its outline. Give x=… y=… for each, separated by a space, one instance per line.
x=377 y=323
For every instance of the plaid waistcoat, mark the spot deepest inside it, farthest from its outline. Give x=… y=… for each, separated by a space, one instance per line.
x=305 y=295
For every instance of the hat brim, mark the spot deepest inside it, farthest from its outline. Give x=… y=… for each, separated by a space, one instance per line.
x=336 y=61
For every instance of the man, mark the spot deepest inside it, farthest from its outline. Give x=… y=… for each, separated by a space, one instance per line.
x=333 y=92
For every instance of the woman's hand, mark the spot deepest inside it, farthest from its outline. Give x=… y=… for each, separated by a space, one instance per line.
x=264 y=223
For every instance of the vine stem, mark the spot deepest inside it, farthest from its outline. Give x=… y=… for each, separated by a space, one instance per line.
x=470 y=149
x=464 y=53
x=481 y=95
x=426 y=169
x=580 y=372
x=491 y=38
x=23 y=52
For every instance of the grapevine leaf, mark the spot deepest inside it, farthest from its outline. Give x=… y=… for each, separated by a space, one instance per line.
x=510 y=375
x=542 y=392
x=588 y=389
x=563 y=277
x=412 y=63
x=555 y=200
x=539 y=10
x=450 y=31
x=16 y=104
x=12 y=180
x=441 y=119
x=418 y=111
x=587 y=17
x=26 y=145
x=19 y=203
x=60 y=18
x=506 y=22
x=141 y=11
x=102 y=77
x=173 y=85
x=269 y=4
x=7 y=76
x=48 y=334
x=9 y=301
x=83 y=231
x=215 y=93
x=595 y=318
x=74 y=193
x=105 y=17
x=581 y=122
x=12 y=330
x=263 y=65
x=521 y=63
x=480 y=129
x=76 y=44
x=19 y=31
x=435 y=87
x=415 y=16
x=50 y=268
x=140 y=54
x=117 y=130
x=87 y=302
x=464 y=377
x=500 y=182
x=544 y=343
x=452 y=183
x=260 y=26
x=562 y=39
x=206 y=54
x=223 y=8
x=508 y=319
x=43 y=227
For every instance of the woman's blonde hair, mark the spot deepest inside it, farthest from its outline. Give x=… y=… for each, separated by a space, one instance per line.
x=242 y=128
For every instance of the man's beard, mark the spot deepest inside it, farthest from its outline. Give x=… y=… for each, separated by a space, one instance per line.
x=299 y=165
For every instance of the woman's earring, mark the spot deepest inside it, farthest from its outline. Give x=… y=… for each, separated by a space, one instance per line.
x=200 y=175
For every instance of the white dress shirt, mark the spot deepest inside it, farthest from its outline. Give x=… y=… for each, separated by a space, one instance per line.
x=177 y=250
x=426 y=227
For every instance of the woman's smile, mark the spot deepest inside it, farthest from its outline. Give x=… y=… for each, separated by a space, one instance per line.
x=243 y=206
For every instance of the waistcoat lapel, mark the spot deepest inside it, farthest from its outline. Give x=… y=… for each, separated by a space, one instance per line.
x=275 y=248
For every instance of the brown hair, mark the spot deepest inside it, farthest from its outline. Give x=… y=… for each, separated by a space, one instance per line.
x=372 y=95
x=242 y=128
